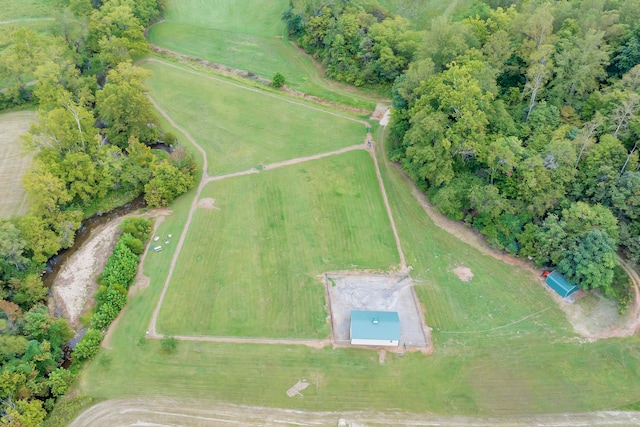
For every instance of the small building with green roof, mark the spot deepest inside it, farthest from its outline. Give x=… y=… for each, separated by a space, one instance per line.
x=375 y=328
x=557 y=282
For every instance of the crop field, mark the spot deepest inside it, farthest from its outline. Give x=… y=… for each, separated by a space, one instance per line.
x=241 y=128
x=251 y=265
x=12 y=163
x=248 y=35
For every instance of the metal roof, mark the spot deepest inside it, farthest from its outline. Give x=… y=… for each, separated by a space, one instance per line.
x=558 y=283
x=375 y=325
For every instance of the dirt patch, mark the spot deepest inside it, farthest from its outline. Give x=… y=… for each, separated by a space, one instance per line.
x=379 y=112
x=75 y=285
x=464 y=273
x=382 y=355
x=207 y=203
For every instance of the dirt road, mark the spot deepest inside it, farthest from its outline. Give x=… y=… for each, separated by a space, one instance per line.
x=192 y=413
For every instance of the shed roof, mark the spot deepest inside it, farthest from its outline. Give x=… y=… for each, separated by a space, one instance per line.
x=559 y=284
x=375 y=325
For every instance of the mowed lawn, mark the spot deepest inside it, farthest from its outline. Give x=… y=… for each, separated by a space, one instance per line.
x=251 y=266
x=241 y=127
x=248 y=35
x=12 y=163
x=521 y=366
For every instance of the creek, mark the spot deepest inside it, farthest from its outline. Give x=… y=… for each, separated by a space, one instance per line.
x=84 y=233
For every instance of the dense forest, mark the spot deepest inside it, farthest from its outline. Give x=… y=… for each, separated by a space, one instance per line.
x=518 y=118
x=91 y=153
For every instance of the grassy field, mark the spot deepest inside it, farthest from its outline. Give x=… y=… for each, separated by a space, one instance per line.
x=252 y=266
x=12 y=9
x=12 y=163
x=534 y=366
x=502 y=345
x=240 y=127
x=248 y=35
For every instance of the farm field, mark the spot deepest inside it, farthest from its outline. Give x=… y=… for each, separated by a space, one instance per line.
x=12 y=163
x=248 y=35
x=251 y=265
x=241 y=127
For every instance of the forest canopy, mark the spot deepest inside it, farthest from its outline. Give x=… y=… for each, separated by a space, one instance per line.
x=518 y=118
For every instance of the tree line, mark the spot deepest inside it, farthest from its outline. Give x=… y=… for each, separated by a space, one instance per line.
x=518 y=118
x=91 y=153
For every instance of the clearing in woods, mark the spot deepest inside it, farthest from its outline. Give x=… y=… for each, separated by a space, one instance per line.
x=12 y=163
x=251 y=268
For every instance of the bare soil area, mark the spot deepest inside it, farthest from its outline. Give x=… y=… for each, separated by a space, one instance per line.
x=75 y=284
x=464 y=273
x=196 y=413
x=207 y=203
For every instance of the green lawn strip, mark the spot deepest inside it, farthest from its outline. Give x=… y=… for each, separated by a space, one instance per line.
x=251 y=266
x=518 y=379
x=250 y=37
x=13 y=164
x=240 y=127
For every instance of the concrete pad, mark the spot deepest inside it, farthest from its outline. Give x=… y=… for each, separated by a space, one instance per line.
x=377 y=293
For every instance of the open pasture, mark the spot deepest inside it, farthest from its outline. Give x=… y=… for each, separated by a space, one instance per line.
x=241 y=127
x=248 y=35
x=251 y=262
x=12 y=163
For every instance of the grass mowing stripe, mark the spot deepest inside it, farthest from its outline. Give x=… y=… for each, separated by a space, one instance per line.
x=241 y=129
x=250 y=267
x=13 y=164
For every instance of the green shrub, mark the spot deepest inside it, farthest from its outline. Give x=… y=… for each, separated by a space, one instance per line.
x=88 y=345
x=133 y=243
x=138 y=227
x=278 y=80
